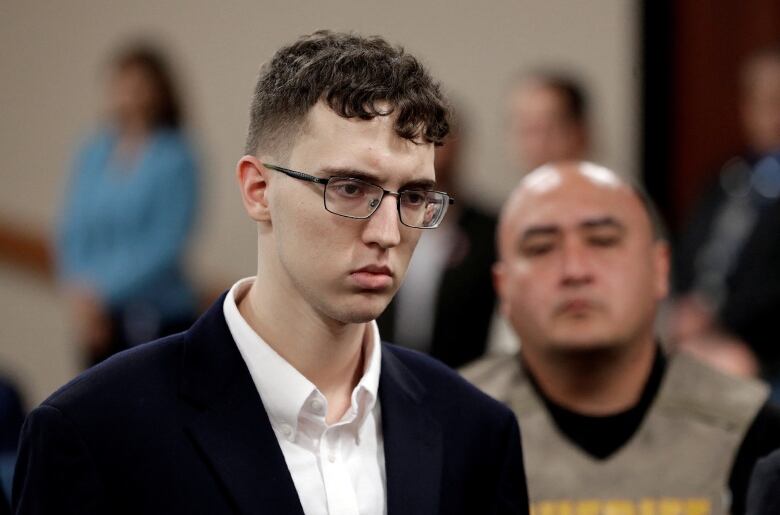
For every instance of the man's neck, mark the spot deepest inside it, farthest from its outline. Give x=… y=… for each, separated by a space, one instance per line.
x=594 y=382
x=328 y=354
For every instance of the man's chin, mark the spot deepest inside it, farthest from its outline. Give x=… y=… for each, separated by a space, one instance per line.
x=364 y=309
x=581 y=340
x=580 y=348
x=359 y=316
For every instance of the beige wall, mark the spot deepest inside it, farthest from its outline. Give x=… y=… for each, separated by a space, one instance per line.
x=51 y=53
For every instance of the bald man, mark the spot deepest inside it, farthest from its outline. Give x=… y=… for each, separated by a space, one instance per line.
x=610 y=423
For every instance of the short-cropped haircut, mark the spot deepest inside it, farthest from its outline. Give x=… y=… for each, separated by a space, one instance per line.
x=357 y=77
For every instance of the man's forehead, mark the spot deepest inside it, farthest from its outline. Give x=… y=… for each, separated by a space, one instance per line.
x=324 y=123
x=757 y=72
x=371 y=147
x=580 y=175
x=534 y=94
x=559 y=220
x=569 y=195
x=322 y=117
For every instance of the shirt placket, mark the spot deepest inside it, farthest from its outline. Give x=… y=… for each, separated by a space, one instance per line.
x=339 y=490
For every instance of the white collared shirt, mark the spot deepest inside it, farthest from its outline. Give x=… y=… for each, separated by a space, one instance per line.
x=337 y=469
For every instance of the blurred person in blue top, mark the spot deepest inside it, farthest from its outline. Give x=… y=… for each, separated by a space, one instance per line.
x=128 y=214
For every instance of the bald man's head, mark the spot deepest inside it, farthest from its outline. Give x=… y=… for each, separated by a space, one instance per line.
x=580 y=264
x=587 y=175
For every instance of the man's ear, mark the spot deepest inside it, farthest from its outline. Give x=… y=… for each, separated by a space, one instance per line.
x=253 y=183
x=661 y=262
x=498 y=284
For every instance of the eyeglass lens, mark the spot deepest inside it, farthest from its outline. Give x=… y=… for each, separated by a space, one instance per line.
x=359 y=199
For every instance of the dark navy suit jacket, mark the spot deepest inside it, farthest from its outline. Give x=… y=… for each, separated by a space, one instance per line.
x=764 y=492
x=177 y=426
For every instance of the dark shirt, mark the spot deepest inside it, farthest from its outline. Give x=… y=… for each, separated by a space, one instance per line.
x=5 y=507
x=11 y=417
x=602 y=436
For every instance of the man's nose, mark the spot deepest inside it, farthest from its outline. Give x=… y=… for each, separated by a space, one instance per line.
x=382 y=228
x=575 y=264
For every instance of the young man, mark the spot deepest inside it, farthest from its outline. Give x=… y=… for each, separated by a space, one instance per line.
x=611 y=424
x=281 y=398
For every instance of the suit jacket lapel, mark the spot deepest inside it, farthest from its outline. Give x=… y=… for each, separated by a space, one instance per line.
x=228 y=423
x=412 y=441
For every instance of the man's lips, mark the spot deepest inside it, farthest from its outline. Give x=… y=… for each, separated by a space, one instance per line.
x=576 y=306
x=373 y=277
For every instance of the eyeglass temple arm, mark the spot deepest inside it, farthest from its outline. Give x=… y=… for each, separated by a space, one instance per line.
x=296 y=175
x=311 y=178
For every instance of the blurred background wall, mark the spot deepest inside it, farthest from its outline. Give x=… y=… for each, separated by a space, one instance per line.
x=53 y=54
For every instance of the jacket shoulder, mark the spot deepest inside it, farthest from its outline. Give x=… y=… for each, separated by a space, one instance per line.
x=493 y=374
x=136 y=374
x=764 y=485
x=445 y=387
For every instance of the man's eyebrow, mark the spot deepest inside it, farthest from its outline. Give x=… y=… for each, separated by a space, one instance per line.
x=539 y=230
x=592 y=223
x=417 y=184
x=348 y=172
x=605 y=221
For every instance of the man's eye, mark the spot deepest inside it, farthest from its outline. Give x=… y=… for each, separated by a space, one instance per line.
x=349 y=190
x=604 y=241
x=538 y=249
x=414 y=198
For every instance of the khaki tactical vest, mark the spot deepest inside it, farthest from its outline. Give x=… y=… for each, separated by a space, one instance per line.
x=677 y=463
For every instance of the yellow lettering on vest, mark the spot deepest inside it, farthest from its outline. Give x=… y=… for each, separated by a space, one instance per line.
x=588 y=508
x=664 y=506
x=647 y=507
x=543 y=508
x=698 y=507
x=618 y=507
x=670 y=507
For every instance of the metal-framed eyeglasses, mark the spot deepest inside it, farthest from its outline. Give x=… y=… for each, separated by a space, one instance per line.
x=355 y=198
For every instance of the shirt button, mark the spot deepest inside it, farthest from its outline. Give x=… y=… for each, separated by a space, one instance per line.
x=287 y=431
x=316 y=405
x=332 y=458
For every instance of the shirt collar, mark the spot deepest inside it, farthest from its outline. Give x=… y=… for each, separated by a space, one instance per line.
x=368 y=385
x=283 y=389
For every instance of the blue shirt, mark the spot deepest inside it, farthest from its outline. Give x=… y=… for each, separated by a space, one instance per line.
x=125 y=225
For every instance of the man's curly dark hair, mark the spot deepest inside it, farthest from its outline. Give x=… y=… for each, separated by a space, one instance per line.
x=357 y=77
